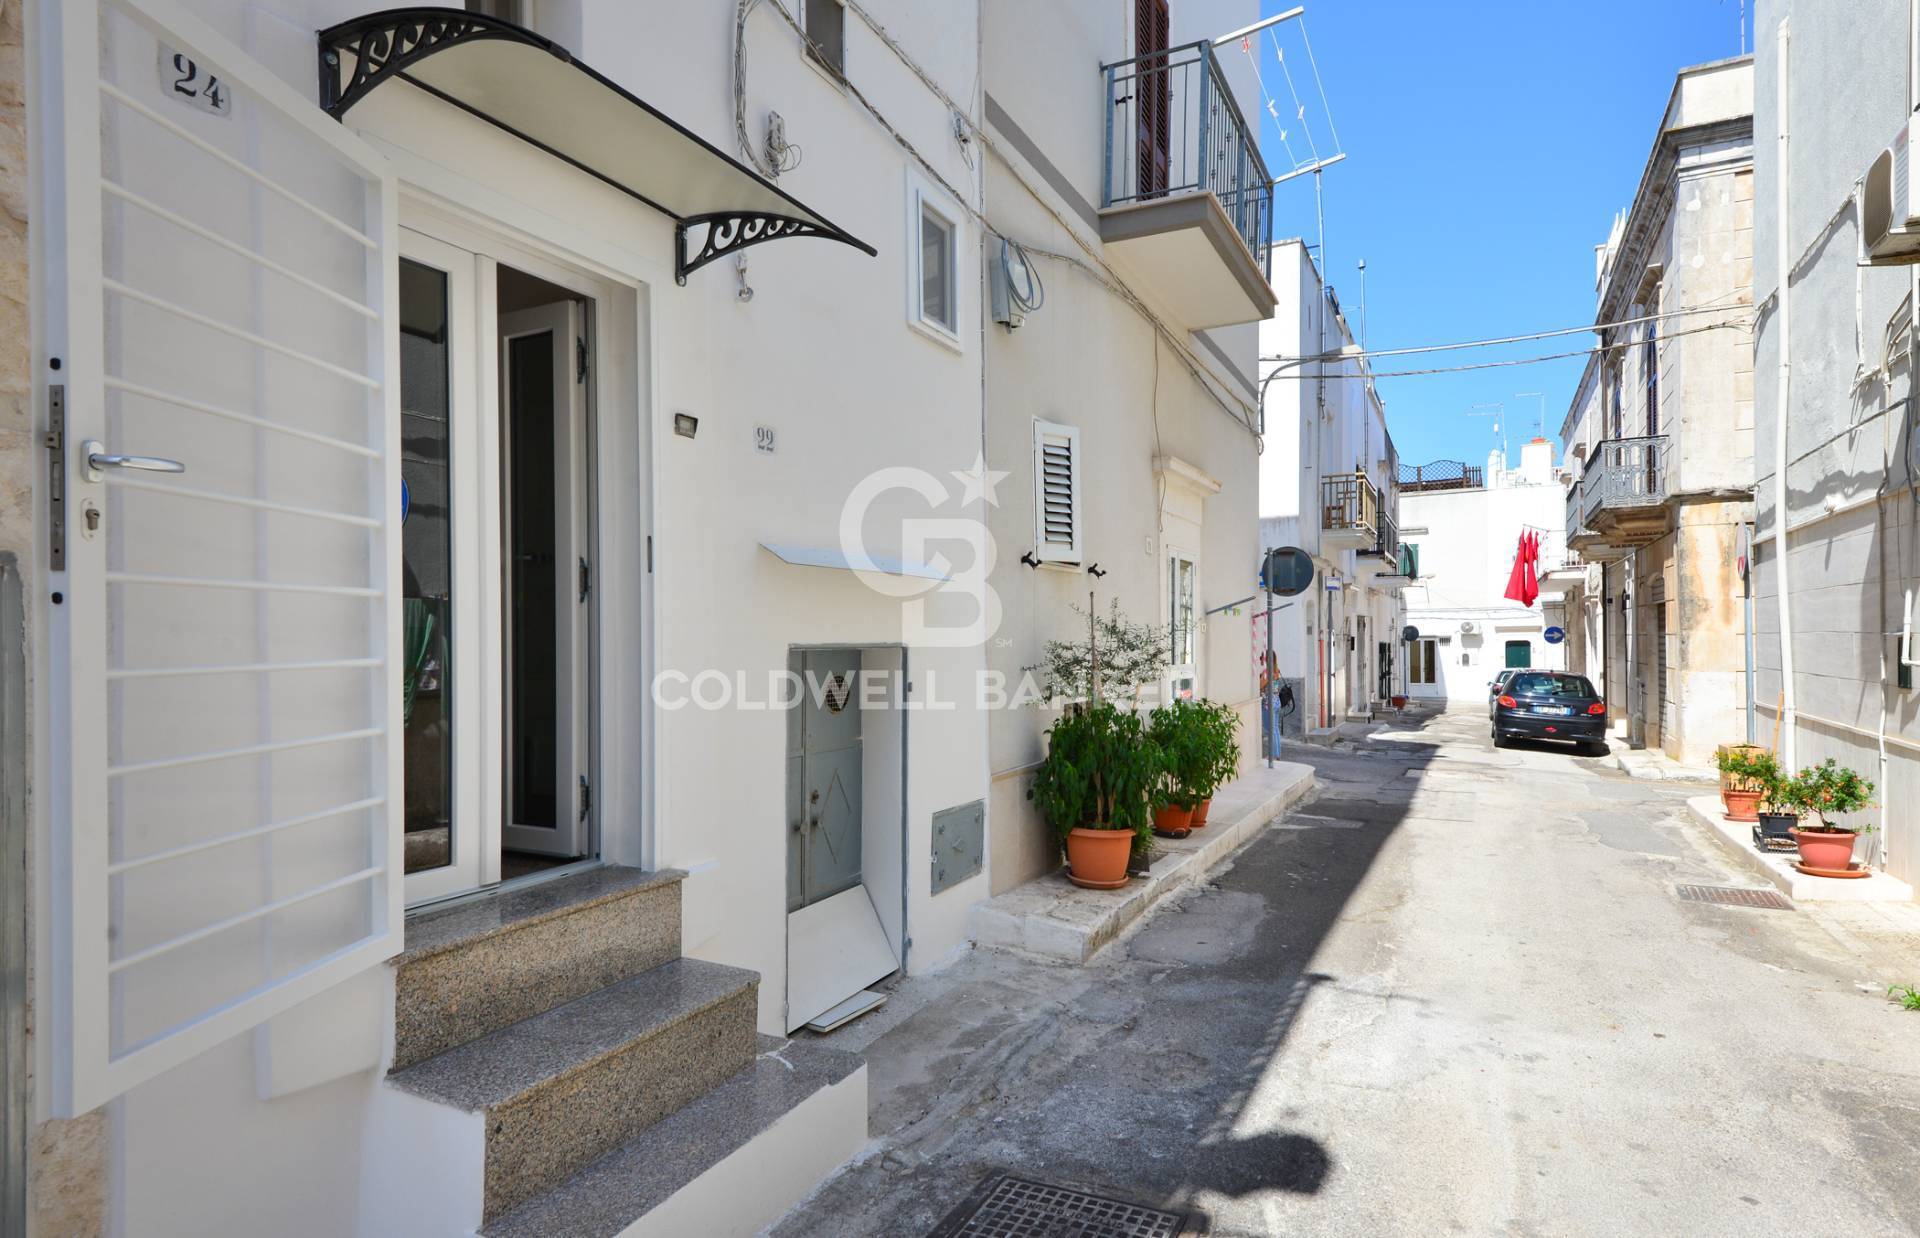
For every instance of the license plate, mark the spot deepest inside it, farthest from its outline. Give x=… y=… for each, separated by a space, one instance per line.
x=1557 y=711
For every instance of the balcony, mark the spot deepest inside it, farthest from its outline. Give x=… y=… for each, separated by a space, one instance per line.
x=1561 y=572
x=1621 y=501
x=1185 y=199
x=1349 y=512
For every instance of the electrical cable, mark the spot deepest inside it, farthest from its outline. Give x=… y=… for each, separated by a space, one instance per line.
x=1496 y=365
x=1360 y=354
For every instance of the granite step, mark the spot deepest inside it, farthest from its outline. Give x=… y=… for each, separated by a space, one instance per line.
x=560 y=1089
x=480 y=966
x=730 y=1163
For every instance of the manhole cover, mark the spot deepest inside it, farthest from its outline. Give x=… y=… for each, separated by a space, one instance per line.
x=1735 y=896
x=1010 y=1207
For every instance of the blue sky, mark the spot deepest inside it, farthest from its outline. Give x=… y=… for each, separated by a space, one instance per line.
x=1489 y=143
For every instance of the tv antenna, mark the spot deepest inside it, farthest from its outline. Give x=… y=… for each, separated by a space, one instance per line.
x=1494 y=411
x=1542 y=397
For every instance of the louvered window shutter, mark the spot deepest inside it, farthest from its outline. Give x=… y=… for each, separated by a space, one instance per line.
x=1056 y=492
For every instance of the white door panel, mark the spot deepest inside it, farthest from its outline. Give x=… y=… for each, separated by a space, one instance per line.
x=221 y=701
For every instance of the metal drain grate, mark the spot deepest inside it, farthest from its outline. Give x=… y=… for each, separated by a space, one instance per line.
x=1010 y=1207
x=1735 y=896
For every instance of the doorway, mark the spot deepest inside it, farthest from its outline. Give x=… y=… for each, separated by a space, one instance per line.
x=498 y=533
x=844 y=828
x=1519 y=654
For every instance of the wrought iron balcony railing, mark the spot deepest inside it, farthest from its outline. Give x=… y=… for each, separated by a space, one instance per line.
x=1440 y=475
x=1348 y=502
x=1624 y=473
x=1386 y=540
x=1174 y=128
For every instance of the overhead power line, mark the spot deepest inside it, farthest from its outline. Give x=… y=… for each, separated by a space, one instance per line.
x=1744 y=323
x=1363 y=353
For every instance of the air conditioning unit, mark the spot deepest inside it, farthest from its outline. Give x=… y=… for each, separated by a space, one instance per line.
x=1890 y=205
x=1468 y=627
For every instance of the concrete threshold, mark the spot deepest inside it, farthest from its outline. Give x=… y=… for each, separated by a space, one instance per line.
x=1052 y=918
x=1776 y=867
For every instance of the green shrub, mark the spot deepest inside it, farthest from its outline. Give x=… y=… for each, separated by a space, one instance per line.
x=1101 y=773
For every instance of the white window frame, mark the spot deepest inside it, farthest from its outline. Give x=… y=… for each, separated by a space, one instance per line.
x=1052 y=552
x=923 y=199
x=1188 y=670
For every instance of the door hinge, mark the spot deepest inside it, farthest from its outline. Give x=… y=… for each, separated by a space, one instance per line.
x=586 y=579
x=56 y=443
x=586 y=797
x=580 y=360
x=649 y=553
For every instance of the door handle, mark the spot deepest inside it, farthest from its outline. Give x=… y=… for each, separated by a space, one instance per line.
x=97 y=458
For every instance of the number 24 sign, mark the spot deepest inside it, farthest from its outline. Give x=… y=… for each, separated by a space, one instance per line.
x=188 y=81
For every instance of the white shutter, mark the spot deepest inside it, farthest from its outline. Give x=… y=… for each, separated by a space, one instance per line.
x=1056 y=492
x=224 y=761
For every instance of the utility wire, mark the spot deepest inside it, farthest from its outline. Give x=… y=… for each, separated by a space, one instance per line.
x=1744 y=324
x=1505 y=339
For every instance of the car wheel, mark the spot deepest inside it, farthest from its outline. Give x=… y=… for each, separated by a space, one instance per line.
x=1497 y=741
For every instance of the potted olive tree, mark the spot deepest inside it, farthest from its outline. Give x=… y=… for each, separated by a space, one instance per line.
x=1823 y=792
x=1097 y=789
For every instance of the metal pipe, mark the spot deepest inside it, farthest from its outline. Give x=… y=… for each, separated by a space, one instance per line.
x=1782 y=547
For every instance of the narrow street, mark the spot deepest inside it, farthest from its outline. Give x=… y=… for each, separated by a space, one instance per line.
x=1454 y=992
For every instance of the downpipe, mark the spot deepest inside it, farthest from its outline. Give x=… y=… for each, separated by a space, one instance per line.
x=1781 y=543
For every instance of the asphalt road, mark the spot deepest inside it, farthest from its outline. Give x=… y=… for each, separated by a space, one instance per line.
x=1453 y=993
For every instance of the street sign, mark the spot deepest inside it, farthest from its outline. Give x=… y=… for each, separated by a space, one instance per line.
x=1288 y=571
x=1409 y=633
x=1555 y=635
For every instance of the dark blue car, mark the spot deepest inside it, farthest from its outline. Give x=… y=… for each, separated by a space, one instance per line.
x=1551 y=705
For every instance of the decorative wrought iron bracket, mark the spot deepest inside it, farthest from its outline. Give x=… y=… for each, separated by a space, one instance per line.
x=734 y=231
x=384 y=44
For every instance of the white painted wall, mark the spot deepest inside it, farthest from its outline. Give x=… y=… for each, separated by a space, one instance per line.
x=1465 y=560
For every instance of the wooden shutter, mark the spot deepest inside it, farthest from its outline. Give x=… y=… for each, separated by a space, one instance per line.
x=224 y=787
x=1056 y=492
x=1153 y=107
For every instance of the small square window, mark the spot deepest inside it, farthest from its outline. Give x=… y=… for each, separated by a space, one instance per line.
x=937 y=282
x=825 y=22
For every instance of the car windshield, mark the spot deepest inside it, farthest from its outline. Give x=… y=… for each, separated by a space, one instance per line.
x=1552 y=685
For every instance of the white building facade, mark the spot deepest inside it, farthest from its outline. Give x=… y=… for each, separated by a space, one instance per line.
x=431 y=486
x=1834 y=567
x=1329 y=486
x=1468 y=628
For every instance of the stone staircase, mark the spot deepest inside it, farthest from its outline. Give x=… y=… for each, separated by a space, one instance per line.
x=558 y=1068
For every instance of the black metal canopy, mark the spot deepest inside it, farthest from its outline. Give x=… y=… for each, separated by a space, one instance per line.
x=534 y=89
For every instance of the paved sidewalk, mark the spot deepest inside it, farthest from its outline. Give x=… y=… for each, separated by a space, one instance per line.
x=1053 y=918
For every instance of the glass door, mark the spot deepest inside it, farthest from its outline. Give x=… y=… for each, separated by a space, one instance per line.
x=442 y=657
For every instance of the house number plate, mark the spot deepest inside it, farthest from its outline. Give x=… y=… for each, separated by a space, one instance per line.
x=763 y=439
x=187 y=81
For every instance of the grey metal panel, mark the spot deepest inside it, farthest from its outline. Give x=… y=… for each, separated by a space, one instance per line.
x=824 y=855
x=959 y=844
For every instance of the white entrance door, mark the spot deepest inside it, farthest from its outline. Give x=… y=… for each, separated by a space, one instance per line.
x=222 y=563
x=547 y=577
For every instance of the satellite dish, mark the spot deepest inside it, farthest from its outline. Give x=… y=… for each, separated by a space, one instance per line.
x=1409 y=633
x=1287 y=571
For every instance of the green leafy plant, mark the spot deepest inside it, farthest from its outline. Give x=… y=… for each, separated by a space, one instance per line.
x=1907 y=995
x=1223 y=744
x=1101 y=773
x=1117 y=659
x=1180 y=731
x=1825 y=791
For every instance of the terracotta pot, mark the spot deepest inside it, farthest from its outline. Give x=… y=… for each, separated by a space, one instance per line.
x=1742 y=805
x=1097 y=859
x=1200 y=812
x=1172 y=819
x=1825 y=848
x=1399 y=702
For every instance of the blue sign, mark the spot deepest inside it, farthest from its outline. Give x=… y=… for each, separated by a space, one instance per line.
x=1555 y=635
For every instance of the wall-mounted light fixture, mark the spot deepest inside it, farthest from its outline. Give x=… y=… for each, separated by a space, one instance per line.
x=686 y=425
x=1093 y=569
